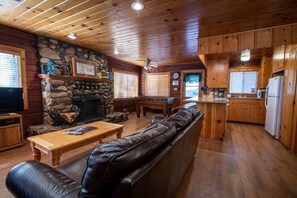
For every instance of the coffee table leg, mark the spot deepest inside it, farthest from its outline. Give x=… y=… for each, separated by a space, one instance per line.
x=55 y=159
x=119 y=133
x=36 y=152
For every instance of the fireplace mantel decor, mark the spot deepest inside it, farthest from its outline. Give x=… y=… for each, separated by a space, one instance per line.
x=63 y=77
x=83 y=68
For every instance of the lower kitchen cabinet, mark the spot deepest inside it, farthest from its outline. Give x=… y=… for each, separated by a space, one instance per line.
x=246 y=110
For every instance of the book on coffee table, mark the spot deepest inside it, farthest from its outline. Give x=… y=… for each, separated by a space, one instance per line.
x=80 y=130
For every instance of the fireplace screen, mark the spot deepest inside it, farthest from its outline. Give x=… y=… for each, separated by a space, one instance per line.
x=91 y=108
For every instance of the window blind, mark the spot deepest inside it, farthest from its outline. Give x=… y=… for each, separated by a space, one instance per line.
x=157 y=85
x=10 y=75
x=243 y=82
x=125 y=85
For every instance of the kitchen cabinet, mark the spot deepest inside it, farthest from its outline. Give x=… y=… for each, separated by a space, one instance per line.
x=11 y=131
x=288 y=120
x=266 y=71
x=247 y=110
x=278 y=58
x=217 y=73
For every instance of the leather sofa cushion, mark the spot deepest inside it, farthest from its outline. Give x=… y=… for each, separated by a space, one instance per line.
x=109 y=162
x=156 y=120
x=75 y=168
x=194 y=110
x=181 y=119
x=154 y=172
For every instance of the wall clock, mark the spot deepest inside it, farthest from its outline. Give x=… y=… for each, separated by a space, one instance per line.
x=175 y=75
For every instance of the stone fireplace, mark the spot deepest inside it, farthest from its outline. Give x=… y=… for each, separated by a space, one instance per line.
x=91 y=108
x=62 y=92
x=93 y=98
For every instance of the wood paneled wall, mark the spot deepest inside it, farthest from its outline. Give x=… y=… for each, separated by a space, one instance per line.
x=129 y=104
x=288 y=119
x=172 y=69
x=259 y=38
x=16 y=38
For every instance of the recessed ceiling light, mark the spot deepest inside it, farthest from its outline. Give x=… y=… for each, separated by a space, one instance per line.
x=72 y=36
x=116 y=52
x=137 y=6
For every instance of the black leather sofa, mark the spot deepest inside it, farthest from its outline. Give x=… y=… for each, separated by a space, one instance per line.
x=150 y=163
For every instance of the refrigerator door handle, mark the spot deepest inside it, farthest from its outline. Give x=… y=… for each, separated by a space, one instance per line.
x=266 y=96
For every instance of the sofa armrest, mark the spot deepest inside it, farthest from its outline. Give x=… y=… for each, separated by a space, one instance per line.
x=34 y=179
x=156 y=120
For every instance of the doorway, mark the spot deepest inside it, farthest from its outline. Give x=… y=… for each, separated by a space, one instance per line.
x=191 y=82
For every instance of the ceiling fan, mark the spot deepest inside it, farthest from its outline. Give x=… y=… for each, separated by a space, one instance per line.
x=148 y=65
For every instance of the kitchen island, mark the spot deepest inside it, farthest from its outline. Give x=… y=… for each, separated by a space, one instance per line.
x=215 y=111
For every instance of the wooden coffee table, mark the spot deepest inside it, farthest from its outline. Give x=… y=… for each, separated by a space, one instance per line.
x=56 y=143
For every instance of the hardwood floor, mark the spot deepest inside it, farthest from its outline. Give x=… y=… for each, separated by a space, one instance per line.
x=248 y=163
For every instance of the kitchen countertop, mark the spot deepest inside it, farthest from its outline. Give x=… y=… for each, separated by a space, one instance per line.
x=247 y=98
x=202 y=100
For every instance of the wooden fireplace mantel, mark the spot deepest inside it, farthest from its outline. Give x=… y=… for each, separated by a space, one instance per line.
x=72 y=78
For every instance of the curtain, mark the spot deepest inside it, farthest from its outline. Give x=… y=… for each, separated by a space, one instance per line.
x=192 y=77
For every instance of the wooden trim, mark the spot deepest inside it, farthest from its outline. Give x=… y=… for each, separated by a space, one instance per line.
x=183 y=72
x=203 y=59
x=255 y=30
x=159 y=73
x=8 y=51
x=73 y=78
x=124 y=71
x=242 y=69
x=123 y=99
x=22 y=53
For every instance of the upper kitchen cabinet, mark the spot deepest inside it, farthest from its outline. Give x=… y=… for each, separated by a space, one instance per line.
x=278 y=58
x=217 y=73
x=266 y=71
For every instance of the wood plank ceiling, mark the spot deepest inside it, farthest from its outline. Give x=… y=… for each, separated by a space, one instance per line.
x=165 y=31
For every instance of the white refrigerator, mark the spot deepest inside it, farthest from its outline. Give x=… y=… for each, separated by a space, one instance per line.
x=273 y=104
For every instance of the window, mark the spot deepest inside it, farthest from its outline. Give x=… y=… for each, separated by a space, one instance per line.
x=125 y=85
x=192 y=84
x=243 y=82
x=192 y=90
x=157 y=84
x=10 y=75
x=13 y=69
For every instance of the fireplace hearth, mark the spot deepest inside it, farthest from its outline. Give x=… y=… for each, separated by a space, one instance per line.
x=91 y=108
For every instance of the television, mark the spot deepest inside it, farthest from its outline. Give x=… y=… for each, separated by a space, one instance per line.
x=11 y=99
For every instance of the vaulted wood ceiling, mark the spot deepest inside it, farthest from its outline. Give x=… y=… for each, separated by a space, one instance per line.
x=165 y=31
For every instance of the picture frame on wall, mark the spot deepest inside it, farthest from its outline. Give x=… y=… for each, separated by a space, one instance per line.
x=175 y=82
x=83 y=68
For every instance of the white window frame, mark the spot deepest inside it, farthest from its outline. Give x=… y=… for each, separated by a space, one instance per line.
x=244 y=71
